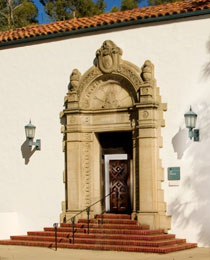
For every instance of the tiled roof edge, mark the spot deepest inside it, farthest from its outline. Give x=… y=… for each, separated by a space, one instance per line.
x=106 y=27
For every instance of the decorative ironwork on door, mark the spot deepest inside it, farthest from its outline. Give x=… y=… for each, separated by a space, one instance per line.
x=119 y=185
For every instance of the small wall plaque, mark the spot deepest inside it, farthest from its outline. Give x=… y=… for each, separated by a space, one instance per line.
x=173 y=173
x=173 y=183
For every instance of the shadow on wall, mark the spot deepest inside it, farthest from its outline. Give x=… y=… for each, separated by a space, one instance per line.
x=180 y=142
x=27 y=151
x=206 y=67
x=196 y=210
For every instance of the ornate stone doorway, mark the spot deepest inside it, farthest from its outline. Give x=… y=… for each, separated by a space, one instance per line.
x=114 y=95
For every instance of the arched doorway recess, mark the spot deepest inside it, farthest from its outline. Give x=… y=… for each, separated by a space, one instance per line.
x=114 y=98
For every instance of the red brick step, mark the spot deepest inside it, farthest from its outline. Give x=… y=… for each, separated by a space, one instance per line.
x=107 y=226
x=109 y=221
x=104 y=236
x=113 y=216
x=101 y=241
x=108 y=231
x=166 y=249
x=118 y=232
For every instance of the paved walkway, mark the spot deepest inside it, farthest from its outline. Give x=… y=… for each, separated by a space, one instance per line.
x=35 y=253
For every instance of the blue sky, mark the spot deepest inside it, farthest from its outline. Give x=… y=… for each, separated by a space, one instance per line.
x=110 y=3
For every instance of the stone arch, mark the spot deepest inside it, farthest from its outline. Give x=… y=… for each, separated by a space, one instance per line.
x=108 y=91
x=111 y=74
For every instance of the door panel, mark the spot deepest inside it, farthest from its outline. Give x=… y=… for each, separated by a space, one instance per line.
x=119 y=185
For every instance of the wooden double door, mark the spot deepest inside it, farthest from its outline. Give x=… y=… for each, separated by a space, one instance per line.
x=119 y=186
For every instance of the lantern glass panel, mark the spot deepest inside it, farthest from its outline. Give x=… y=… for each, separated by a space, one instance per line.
x=190 y=119
x=30 y=132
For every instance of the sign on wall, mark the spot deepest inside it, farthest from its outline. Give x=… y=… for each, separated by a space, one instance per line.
x=173 y=173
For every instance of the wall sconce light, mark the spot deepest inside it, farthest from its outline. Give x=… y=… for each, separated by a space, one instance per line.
x=190 y=121
x=30 y=133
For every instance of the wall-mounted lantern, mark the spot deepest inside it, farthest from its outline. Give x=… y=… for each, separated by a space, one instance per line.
x=30 y=133
x=190 y=121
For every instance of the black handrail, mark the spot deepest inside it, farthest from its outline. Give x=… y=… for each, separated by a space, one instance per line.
x=72 y=219
x=88 y=215
x=91 y=205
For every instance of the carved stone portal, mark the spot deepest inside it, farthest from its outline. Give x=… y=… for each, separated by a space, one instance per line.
x=114 y=109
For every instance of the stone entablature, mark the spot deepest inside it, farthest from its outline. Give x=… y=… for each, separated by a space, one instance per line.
x=114 y=95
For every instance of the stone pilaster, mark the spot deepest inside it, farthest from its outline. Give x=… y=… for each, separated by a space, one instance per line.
x=152 y=208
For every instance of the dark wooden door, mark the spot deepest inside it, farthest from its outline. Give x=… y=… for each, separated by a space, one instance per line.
x=119 y=185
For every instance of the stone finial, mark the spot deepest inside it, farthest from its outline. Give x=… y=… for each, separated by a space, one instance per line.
x=74 y=80
x=148 y=71
x=108 y=57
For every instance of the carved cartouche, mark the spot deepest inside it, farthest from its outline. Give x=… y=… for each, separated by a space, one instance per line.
x=108 y=56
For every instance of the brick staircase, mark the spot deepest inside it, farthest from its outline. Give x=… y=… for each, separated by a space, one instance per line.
x=118 y=232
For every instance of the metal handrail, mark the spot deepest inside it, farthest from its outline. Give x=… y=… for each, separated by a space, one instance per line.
x=90 y=206
x=72 y=219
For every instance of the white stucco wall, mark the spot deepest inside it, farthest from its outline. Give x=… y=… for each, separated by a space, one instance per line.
x=33 y=83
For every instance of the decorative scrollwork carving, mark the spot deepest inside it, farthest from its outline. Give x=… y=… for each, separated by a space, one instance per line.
x=110 y=100
x=108 y=57
x=88 y=77
x=131 y=75
x=101 y=95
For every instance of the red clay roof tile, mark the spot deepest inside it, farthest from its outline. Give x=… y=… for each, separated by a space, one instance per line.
x=105 y=19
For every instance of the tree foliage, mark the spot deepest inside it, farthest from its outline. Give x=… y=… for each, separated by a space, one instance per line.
x=17 y=13
x=114 y=9
x=159 y=2
x=20 y=13
x=62 y=10
x=129 y=4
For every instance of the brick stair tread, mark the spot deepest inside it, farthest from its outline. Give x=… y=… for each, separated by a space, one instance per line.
x=101 y=241
x=113 y=216
x=26 y=243
x=110 y=231
x=165 y=249
x=106 y=226
x=173 y=248
x=104 y=236
x=118 y=232
x=110 y=221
